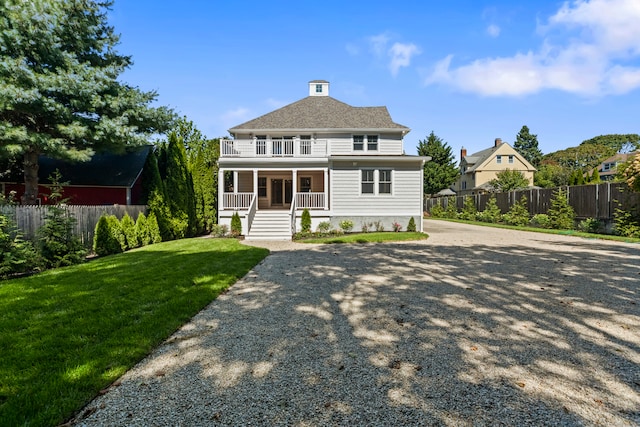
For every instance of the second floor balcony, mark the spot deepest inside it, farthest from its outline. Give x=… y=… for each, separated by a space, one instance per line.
x=273 y=147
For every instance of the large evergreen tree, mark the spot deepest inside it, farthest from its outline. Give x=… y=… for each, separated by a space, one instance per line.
x=60 y=92
x=441 y=171
x=527 y=145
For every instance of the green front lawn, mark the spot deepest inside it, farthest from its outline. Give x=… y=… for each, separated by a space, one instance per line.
x=368 y=237
x=65 y=334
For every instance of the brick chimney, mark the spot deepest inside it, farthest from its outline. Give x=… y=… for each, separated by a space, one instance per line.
x=498 y=141
x=463 y=153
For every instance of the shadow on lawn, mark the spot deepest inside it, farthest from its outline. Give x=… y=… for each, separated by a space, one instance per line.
x=411 y=332
x=69 y=332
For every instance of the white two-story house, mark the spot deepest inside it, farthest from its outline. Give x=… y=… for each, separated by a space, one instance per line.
x=338 y=161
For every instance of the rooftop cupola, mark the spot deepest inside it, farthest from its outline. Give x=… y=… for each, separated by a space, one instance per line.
x=318 y=88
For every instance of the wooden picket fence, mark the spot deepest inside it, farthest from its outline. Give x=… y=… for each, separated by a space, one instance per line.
x=30 y=218
x=598 y=201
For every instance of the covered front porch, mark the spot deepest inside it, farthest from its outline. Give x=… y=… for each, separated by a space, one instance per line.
x=293 y=189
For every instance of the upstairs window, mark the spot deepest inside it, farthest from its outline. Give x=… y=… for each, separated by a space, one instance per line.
x=358 y=142
x=498 y=159
x=368 y=181
x=372 y=142
x=510 y=159
x=318 y=88
x=384 y=181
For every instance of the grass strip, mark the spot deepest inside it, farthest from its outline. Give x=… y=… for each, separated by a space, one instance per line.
x=575 y=233
x=368 y=237
x=65 y=334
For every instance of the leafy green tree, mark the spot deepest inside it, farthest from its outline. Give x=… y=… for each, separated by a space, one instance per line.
x=561 y=214
x=631 y=173
x=584 y=156
x=509 y=180
x=105 y=241
x=61 y=92
x=551 y=175
x=203 y=164
x=617 y=142
x=142 y=230
x=527 y=145
x=154 y=229
x=441 y=171
x=153 y=187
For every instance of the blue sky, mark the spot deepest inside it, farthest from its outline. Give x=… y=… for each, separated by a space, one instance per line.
x=470 y=70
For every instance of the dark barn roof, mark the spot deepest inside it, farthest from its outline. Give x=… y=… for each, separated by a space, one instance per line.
x=103 y=170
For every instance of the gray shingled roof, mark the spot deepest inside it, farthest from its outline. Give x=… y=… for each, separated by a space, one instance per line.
x=322 y=112
x=476 y=159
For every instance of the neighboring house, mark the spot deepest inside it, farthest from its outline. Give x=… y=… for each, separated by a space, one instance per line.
x=478 y=169
x=338 y=161
x=609 y=167
x=106 y=179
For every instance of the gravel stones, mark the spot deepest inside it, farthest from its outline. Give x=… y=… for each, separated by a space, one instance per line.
x=475 y=326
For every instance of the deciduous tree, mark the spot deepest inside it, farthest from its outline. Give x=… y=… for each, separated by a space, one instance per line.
x=509 y=180
x=60 y=89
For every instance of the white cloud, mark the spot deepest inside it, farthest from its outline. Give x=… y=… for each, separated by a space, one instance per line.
x=235 y=117
x=586 y=50
x=493 y=30
x=401 y=56
x=378 y=44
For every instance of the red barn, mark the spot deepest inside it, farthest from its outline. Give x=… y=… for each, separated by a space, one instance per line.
x=106 y=179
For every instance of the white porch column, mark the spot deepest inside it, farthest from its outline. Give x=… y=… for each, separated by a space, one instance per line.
x=220 y=190
x=326 y=189
x=255 y=185
x=294 y=183
x=235 y=181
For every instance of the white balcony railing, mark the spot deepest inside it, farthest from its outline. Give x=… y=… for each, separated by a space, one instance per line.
x=273 y=147
x=310 y=200
x=237 y=200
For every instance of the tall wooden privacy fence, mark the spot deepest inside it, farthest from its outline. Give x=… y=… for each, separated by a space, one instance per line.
x=589 y=201
x=30 y=218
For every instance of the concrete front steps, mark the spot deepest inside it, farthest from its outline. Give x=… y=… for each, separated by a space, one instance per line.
x=270 y=225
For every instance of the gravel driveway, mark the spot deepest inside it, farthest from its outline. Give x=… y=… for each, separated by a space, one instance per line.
x=474 y=326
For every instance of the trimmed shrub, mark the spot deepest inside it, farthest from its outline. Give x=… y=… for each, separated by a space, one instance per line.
x=346 y=225
x=129 y=231
x=437 y=211
x=142 y=230
x=57 y=245
x=305 y=221
x=561 y=214
x=589 y=225
x=16 y=255
x=451 y=210
x=236 y=225
x=218 y=230
x=518 y=215
x=626 y=224
x=105 y=241
x=491 y=213
x=154 y=229
x=541 y=221
x=324 y=227
x=469 y=210
x=411 y=227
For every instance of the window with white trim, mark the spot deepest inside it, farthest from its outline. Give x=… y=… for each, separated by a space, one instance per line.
x=318 y=88
x=358 y=142
x=510 y=159
x=372 y=142
x=384 y=181
x=498 y=159
x=368 y=181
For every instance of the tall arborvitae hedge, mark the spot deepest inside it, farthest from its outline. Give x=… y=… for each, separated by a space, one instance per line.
x=203 y=164
x=179 y=189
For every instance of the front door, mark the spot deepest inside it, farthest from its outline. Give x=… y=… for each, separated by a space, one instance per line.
x=276 y=192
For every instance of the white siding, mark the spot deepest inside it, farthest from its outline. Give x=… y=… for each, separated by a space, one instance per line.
x=388 y=144
x=347 y=199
